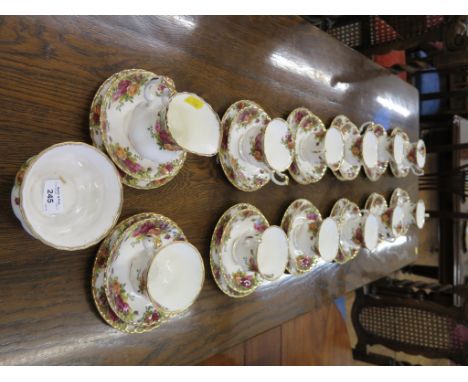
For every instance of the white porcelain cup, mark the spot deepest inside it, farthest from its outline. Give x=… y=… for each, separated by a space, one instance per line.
x=328 y=239
x=270 y=149
x=265 y=253
x=415 y=213
x=362 y=231
x=189 y=123
x=392 y=223
x=171 y=276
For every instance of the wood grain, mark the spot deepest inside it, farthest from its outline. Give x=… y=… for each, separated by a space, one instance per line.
x=264 y=349
x=50 y=68
x=317 y=338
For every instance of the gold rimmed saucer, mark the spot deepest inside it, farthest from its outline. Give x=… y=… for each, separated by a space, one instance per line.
x=305 y=125
x=215 y=250
x=351 y=165
x=97 y=281
x=241 y=174
x=246 y=221
x=303 y=257
x=124 y=158
x=128 y=302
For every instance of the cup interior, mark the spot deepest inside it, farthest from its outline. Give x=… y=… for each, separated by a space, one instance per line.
x=86 y=195
x=371 y=232
x=370 y=149
x=175 y=276
x=420 y=213
x=276 y=141
x=328 y=239
x=334 y=146
x=193 y=124
x=272 y=252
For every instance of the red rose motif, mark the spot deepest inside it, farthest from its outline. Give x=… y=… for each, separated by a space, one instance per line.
x=121 y=89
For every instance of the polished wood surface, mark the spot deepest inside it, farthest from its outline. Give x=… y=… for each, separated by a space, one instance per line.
x=50 y=69
x=316 y=338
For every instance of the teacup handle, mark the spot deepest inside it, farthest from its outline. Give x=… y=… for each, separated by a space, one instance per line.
x=279 y=178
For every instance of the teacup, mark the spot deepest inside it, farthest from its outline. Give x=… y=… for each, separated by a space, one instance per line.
x=328 y=148
x=270 y=149
x=171 y=276
x=392 y=223
x=362 y=231
x=415 y=213
x=415 y=155
x=265 y=253
x=328 y=239
x=189 y=123
x=70 y=196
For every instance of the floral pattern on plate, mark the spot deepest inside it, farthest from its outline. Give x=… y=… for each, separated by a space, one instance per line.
x=235 y=121
x=304 y=124
x=351 y=165
x=300 y=261
x=399 y=170
x=97 y=282
x=128 y=303
x=215 y=250
x=344 y=211
x=376 y=172
x=124 y=93
x=96 y=137
x=247 y=220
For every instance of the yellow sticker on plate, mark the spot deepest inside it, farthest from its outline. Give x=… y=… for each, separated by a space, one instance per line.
x=195 y=102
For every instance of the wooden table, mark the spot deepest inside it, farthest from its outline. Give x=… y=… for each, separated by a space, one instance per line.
x=50 y=70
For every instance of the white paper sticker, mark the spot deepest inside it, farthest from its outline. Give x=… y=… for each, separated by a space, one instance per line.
x=52 y=202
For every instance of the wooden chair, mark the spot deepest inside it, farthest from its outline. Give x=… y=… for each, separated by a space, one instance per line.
x=410 y=317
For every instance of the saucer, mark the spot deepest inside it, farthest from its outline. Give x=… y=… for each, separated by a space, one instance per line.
x=97 y=139
x=401 y=198
x=237 y=119
x=344 y=210
x=307 y=128
x=351 y=164
x=303 y=254
x=246 y=221
x=215 y=250
x=128 y=303
x=97 y=282
x=399 y=170
x=350 y=218
x=130 y=126
x=71 y=196
x=374 y=172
